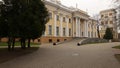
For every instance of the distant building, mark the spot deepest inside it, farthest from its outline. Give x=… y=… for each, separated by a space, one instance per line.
x=108 y=20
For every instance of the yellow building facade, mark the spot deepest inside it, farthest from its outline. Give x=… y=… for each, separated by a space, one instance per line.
x=108 y=20
x=67 y=23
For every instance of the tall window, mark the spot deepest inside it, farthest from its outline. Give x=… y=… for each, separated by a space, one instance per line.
x=70 y=32
x=106 y=22
x=50 y=30
x=50 y=15
x=64 y=20
x=102 y=15
x=64 y=32
x=57 y=17
x=111 y=22
x=91 y=34
x=43 y=33
x=69 y=20
x=102 y=23
x=110 y=14
x=88 y=34
x=57 y=31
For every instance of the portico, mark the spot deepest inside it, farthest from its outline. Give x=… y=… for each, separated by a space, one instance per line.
x=80 y=26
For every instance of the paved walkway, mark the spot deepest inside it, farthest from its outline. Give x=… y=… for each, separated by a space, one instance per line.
x=68 y=55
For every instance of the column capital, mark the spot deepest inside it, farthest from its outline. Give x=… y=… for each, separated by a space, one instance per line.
x=61 y=14
x=55 y=12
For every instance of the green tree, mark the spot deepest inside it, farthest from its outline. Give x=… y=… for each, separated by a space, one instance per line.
x=34 y=20
x=25 y=19
x=3 y=24
x=108 y=34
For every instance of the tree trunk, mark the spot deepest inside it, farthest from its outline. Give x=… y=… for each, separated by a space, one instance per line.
x=28 y=43
x=0 y=39
x=23 y=44
x=98 y=31
x=13 y=43
x=9 y=44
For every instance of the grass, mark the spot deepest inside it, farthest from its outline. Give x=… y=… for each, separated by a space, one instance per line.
x=16 y=44
x=117 y=47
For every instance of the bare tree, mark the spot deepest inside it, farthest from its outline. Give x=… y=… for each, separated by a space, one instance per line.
x=96 y=17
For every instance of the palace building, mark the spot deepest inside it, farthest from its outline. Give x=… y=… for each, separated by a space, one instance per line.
x=108 y=20
x=67 y=23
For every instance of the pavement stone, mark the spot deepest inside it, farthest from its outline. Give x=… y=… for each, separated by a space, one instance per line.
x=68 y=55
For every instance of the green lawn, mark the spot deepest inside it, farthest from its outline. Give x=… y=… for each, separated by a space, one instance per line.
x=16 y=44
x=117 y=47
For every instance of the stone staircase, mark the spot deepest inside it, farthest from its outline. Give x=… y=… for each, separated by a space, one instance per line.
x=75 y=39
x=91 y=40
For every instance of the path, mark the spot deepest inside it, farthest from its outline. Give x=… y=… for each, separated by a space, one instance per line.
x=68 y=55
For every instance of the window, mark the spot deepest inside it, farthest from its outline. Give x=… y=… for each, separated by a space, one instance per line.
x=43 y=33
x=110 y=14
x=69 y=20
x=88 y=34
x=50 y=15
x=70 y=32
x=95 y=34
x=50 y=30
x=106 y=16
x=102 y=16
x=64 y=20
x=82 y=33
x=111 y=22
x=64 y=32
x=91 y=34
x=57 y=17
x=102 y=23
x=57 y=31
x=106 y=22
x=50 y=40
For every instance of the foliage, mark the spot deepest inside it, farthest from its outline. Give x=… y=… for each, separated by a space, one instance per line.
x=108 y=34
x=24 y=19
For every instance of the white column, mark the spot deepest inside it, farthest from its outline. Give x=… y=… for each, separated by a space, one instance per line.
x=84 y=28
x=67 y=29
x=55 y=20
x=76 y=27
x=79 y=28
x=61 y=26
x=90 y=30
x=72 y=21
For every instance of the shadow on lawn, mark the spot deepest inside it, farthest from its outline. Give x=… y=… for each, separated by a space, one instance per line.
x=117 y=56
x=5 y=55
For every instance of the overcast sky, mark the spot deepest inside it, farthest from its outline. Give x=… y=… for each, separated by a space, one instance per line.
x=91 y=6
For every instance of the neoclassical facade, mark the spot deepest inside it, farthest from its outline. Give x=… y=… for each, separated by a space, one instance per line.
x=67 y=23
x=108 y=20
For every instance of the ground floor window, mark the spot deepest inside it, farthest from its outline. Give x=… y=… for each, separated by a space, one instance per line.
x=57 y=31
x=70 y=32
x=88 y=34
x=82 y=33
x=64 y=32
x=50 y=30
